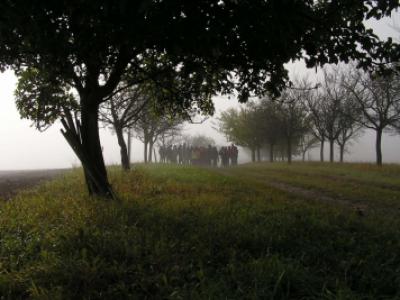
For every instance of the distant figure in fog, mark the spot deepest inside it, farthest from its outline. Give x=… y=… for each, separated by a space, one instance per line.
x=233 y=153
x=186 y=154
x=161 y=152
x=223 y=153
x=180 y=154
x=195 y=156
x=214 y=156
x=174 y=154
x=209 y=155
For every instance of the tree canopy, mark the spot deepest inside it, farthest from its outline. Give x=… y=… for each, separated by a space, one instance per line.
x=94 y=42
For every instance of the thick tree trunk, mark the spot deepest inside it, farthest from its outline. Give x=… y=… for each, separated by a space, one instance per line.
x=289 y=150
x=84 y=139
x=253 y=155
x=303 y=157
x=258 y=154
x=331 y=150
x=123 y=148
x=321 y=151
x=271 y=153
x=341 y=153
x=378 y=147
x=97 y=182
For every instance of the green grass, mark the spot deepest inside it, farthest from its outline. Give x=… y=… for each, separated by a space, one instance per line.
x=190 y=233
x=366 y=184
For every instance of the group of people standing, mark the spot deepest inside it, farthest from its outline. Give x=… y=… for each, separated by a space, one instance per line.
x=205 y=156
x=229 y=155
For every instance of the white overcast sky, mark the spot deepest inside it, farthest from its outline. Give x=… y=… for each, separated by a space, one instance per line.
x=23 y=147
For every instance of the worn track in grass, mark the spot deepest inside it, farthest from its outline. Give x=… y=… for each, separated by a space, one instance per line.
x=309 y=190
x=292 y=189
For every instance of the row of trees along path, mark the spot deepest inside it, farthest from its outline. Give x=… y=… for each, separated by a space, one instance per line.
x=71 y=57
x=336 y=110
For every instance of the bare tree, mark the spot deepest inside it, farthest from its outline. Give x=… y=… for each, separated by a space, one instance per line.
x=334 y=94
x=170 y=136
x=378 y=97
x=314 y=101
x=121 y=112
x=349 y=128
x=307 y=142
x=150 y=125
x=332 y=112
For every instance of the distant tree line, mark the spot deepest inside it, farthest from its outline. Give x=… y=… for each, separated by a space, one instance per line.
x=336 y=110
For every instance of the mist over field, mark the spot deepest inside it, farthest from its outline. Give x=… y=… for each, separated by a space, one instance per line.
x=24 y=147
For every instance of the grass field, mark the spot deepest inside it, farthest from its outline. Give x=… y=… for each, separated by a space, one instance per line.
x=257 y=231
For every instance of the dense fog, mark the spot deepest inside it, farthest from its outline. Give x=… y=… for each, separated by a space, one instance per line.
x=23 y=147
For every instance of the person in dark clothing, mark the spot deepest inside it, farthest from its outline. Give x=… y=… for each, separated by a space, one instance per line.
x=174 y=154
x=180 y=154
x=234 y=155
x=209 y=156
x=214 y=156
x=161 y=151
x=223 y=153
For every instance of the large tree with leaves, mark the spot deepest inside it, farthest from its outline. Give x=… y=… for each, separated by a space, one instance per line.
x=270 y=123
x=242 y=127
x=89 y=45
x=295 y=120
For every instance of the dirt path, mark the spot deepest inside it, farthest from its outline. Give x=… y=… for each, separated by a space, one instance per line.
x=13 y=181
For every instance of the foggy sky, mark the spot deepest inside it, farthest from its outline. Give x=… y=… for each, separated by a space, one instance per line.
x=23 y=147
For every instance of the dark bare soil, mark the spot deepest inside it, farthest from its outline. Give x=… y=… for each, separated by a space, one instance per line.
x=12 y=182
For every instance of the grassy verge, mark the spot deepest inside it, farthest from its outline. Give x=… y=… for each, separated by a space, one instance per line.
x=189 y=233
